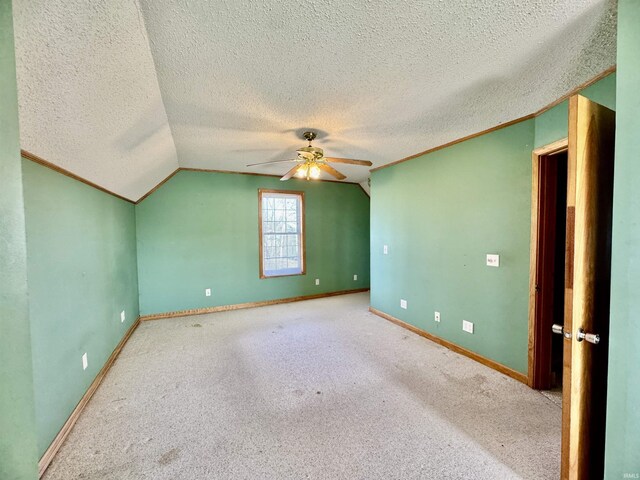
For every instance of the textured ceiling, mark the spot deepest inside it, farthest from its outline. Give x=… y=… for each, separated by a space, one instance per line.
x=88 y=92
x=111 y=90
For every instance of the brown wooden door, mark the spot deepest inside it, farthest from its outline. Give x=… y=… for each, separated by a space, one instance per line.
x=587 y=282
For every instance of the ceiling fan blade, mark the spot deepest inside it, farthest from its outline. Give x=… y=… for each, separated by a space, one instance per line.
x=350 y=161
x=331 y=171
x=275 y=161
x=291 y=173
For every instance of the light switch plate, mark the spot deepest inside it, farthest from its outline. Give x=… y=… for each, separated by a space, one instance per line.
x=437 y=317
x=467 y=326
x=355 y=277
x=122 y=316
x=385 y=249
x=403 y=303
x=317 y=281
x=207 y=292
x=493 y=260
x=85 y=361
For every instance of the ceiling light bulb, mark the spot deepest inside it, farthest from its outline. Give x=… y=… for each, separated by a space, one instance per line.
x=314 y=171
x=302 y=172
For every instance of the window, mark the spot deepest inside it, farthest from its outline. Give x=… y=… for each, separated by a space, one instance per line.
x=281 y=228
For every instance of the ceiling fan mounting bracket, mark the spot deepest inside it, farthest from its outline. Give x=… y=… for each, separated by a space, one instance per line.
x=309 y=136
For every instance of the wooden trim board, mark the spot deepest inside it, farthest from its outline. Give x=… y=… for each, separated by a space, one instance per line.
x=577 y=89
x=303 y=232
x=521 y=377
x=552 y=148
x=453 y=142
x=240 y=306
x=168 y=177
x=209 y=170
x=41 y=161
x=580 y=87
x=67 y=173
x=73 y=418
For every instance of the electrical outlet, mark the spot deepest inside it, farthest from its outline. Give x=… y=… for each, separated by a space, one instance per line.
x=122 y=316
x=317 y=281
x=403 y=303
x=437 y=317
x=385 y=250
x=355 y=277
x=467 y=326
x=207 y=292
x=85 y=361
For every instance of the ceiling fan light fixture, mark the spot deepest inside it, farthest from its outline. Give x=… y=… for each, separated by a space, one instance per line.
x=314 y=171
x=302 y=171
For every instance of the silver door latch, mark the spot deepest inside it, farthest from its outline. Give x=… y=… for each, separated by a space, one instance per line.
x=559 y=329
x=589 y=337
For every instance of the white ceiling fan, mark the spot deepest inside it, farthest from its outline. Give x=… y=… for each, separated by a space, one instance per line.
x=311 y=162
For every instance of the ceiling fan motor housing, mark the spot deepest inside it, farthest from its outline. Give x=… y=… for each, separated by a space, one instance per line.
x=310 y=153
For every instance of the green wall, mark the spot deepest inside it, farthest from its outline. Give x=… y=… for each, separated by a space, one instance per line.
x=18 y=458
x=443 y=212
x=200 y=230
x=623 y=400
x=440 y=215
x=553 y=124
x=82 y=273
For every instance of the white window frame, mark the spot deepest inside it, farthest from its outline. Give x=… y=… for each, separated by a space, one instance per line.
x=265 y=230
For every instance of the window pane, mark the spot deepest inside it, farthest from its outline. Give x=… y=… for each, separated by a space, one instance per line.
x=281 y=234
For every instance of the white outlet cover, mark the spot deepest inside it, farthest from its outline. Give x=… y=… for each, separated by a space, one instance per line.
x=403 y=303
x=355 y=277
x=493 y=260
x=385 y=249
x=85 y=361
x=437 y=317
x=317 y=281
x=207 y=292
x=467 y=326
x=122 y=316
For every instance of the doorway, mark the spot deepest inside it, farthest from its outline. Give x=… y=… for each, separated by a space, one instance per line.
x=570 y=275
x=549 y=268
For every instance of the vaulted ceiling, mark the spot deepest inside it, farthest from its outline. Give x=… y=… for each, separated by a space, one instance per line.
x=123 y=92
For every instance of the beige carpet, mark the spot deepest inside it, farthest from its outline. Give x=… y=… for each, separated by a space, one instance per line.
x=320 y=389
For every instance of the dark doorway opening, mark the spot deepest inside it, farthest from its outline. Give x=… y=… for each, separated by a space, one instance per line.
x=550 y=269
